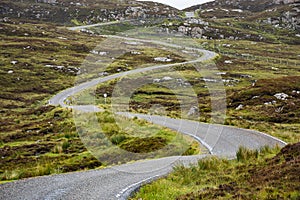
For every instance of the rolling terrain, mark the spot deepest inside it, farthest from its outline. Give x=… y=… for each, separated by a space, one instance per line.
x=257 y=64
x=219 y=140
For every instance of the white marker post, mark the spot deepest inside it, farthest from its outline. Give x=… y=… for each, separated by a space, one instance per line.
x=105 y=96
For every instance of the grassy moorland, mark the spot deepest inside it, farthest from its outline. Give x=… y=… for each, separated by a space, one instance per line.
x=265 y=174
x=37 y=61
x=250 y=83
x=123 y=140
x=254 y=73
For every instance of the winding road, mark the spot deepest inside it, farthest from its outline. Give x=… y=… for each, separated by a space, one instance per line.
x=95 y=25
x=119 y=182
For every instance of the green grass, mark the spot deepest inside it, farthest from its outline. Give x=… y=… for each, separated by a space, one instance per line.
x=47 y=144
x=120 y=140
x=114 y=29
x=37 y=139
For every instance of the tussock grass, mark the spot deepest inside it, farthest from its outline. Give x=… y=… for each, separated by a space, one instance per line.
x=244 y=154
x=122 y=140
x=254 y=174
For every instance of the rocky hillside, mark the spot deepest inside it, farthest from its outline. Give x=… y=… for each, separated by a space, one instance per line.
x=82 y=11
x=278 y=13
x=253 y=6
x=266 y=21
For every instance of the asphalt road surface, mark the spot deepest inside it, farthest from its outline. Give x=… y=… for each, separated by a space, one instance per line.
x=118 y=182
x=94 y=25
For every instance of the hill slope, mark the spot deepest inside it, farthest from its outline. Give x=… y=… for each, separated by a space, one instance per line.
x=82 y=11
x=253 y=6
x=280 y=13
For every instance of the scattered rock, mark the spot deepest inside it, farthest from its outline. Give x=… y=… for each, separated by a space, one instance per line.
x=101 y=53
x=226 y=45
x=253 y=82
x=255 y=97
x=60 y=67
x=270 y=103
x=87 y=31
x=281 y=96
x=167 y=78
x=163 y=59
x=157 y=80
x=240 y=107
x=62 y=38
x=245 y=76
x=135 y=53
x=103 y=74
x=210 y=80
x=228 y=62
x=194 y=111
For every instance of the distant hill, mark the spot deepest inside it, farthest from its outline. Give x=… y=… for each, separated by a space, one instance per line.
x=279 y=13
x=253 y=5
x=82 y=11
